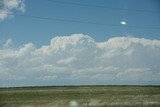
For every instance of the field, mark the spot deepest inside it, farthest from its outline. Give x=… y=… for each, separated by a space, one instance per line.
x=81 y=96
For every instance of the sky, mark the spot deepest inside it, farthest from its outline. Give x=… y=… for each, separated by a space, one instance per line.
x=78 y=42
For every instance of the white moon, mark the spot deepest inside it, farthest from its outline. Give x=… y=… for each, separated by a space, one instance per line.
x=123 y=23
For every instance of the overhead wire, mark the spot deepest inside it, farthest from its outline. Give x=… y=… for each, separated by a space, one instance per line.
x=100 y=6
x=85 y=22
x=89 y=22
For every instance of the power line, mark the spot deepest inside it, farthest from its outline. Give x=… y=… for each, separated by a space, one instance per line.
x=98 y=6
x=86 y=22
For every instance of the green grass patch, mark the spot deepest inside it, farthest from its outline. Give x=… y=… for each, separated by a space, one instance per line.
x=92 y=96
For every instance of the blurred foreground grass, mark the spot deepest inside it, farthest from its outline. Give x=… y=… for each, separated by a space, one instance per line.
x=81 y=96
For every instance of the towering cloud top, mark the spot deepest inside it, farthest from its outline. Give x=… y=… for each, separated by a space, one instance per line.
x=79 y=59
x=71 y=41
x=125 y=42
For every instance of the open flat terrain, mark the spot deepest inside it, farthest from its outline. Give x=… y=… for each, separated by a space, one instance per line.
x=81 y=96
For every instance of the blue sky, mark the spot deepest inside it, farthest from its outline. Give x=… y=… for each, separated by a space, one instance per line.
x=24 y=29
x=36 y=49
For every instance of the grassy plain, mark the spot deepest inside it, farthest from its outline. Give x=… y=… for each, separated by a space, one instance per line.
x=81 y=96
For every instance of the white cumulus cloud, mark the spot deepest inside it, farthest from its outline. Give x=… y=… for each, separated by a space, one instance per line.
x=79 y=59
x=67 y=60
x=8 y=6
